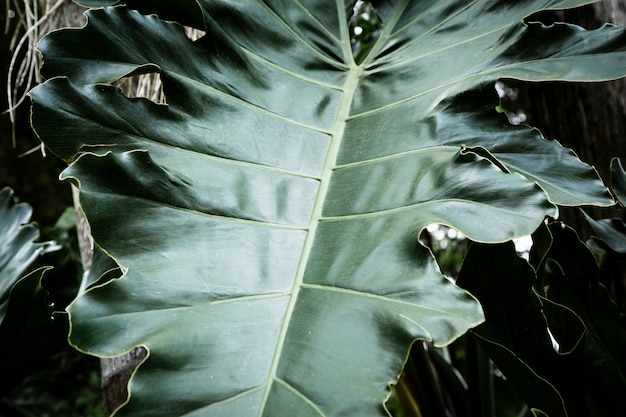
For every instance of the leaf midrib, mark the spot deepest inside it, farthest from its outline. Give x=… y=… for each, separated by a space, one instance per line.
x=353 y=75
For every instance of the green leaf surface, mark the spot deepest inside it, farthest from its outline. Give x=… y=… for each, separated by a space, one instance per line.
x=577 y=368
x=613 y=231
x=515 y=333
x=267 y=216
x=618 y=180
x=17 y=248
x=575 y=285
x=28 y=334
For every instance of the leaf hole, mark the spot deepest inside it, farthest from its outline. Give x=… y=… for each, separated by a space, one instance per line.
x=148 y=86
x=448 y=245
x=193 y=34
x=365 y=27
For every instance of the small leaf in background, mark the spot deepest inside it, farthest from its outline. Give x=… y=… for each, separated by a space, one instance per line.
x=612 y=232
x=28 y=331
x=17 y=248
x=609 y=246
x=31 y=332
x=558 y=337
x=618 y=180
x=515 y=333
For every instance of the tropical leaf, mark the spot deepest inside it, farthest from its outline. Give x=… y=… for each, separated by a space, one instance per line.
x=27 y=331
x=574 y=283
x=515 y=333
x=618 y=180
x=612 y=232
x=31 y=332
x=267 y=216
x=17 y=248
x=561 y=344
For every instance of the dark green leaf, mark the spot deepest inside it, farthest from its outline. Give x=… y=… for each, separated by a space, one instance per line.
x=611 y=231
x=515 y=333
x=28 y=332
x=618 y=180
x=267 y=216
x=17 y=248
x=577 y=368
x=31 y=331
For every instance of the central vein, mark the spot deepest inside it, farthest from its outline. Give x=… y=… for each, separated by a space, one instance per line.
x=337 y=132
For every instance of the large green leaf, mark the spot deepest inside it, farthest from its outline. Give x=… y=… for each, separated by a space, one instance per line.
x=267 y=217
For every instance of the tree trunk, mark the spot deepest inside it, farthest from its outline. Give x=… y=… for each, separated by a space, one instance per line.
x=115 y=372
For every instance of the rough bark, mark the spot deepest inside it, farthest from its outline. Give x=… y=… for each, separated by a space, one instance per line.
x=115 y=372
